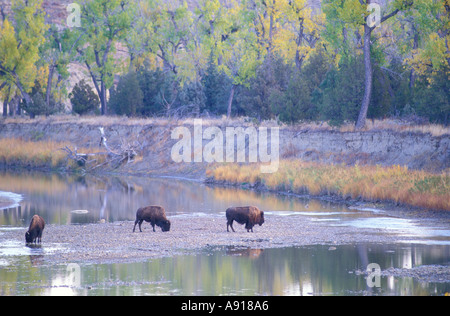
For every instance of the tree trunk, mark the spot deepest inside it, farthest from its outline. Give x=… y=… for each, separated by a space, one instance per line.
x=5 y=101
x=368 y=79
x=103 y=99
x=51 y=68
x=368 y=67
x=5 y=107
x=298 y=58
x=230 y=100
x=25 y=95
x=412 y=75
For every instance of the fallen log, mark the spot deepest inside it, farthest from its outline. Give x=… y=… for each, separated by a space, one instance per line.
x=114 y=158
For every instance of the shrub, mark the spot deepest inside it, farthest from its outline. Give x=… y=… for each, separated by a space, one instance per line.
x=39 y=106
x=84 y=100
x=127 y=99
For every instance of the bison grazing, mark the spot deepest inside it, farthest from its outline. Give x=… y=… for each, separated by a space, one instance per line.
x=34 y=233
x=155 y=215
x=250 y=216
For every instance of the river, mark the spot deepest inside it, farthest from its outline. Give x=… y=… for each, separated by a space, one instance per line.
x=414 y=260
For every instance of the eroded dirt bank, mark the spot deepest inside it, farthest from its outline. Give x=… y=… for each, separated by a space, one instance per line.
x=377 y=146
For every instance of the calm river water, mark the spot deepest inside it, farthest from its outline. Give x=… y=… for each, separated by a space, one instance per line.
x=308 y=270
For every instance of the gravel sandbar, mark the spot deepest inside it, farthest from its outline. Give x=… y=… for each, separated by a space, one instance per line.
x=115 y=242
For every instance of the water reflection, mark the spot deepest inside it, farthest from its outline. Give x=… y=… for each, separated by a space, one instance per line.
x=78 y=200
x=313 y=270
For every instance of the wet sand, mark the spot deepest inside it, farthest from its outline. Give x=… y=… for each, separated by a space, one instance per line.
x=115 y=242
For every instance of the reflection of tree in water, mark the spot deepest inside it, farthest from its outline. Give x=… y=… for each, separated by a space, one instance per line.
x=112 y=198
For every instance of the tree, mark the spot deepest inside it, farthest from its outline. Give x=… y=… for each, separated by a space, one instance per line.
x=296 y=103
x=239 y=51
x=158 y=90
x=127 y=99
x=103 y=24
x=430 y=24
x=265 y=93
x=19 y=46
x=215 y=85
x=338 y=98
x=354 y=14
x=56 y=54
x=83 y=99
x=288 y=28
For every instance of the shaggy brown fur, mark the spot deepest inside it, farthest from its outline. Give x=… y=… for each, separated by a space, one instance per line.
x=249 y=215
x=34 y=233
x=155 y=215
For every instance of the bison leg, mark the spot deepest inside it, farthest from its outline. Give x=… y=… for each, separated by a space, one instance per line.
x=138 y=222
x=230 y=224
x=135 y=223
x=153 y=225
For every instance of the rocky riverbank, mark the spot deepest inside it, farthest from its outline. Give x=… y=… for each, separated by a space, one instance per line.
x=115 y=242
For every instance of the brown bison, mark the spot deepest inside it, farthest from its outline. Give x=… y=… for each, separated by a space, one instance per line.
x=35 y=230
x=155 y=215
x=249 y=215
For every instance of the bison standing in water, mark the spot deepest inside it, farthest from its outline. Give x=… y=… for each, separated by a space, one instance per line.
x=155 y=215
x=34 y=233
x=249 y=215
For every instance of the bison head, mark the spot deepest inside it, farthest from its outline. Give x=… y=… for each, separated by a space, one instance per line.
x=261 y=219
x=165 y=226
x=28 y=237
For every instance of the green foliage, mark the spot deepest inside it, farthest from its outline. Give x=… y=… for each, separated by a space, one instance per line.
x=301 y=88
x=157 y=89
x=127 y=99
x=39 y=106
x=431 y=97
x=83 y=99
x=272 y=59
x=216 y=85
x=261 y=98
x=20 y=41
x=104 y=23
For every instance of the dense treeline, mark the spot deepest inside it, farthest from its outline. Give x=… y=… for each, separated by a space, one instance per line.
x=264 y=59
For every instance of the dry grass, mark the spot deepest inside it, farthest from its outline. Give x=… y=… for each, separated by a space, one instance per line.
x=36 y=155
x=400 y=126
x=17 y=152
x=376 y=125
x=397 y=184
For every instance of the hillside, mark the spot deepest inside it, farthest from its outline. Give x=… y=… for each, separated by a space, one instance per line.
x=55 y=9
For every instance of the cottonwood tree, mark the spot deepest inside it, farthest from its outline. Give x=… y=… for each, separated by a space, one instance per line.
x=103 y=24
x=429 y=23
x=286 y=28
x=346 y=15
x=20 y=41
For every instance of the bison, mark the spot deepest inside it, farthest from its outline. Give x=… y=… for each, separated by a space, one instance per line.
x=249 y=215
x=155 y=215
x=35 y=230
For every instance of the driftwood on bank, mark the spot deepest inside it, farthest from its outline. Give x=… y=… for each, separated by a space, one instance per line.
x=113 y=158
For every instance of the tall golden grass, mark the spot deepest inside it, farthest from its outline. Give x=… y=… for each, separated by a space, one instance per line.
x=15 y=152
x=396 y=183
x=21 y=153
